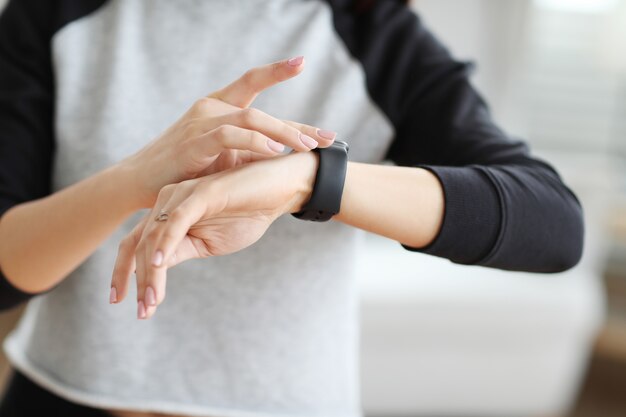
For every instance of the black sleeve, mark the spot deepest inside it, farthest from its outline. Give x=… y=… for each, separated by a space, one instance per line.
x=503 y=208
x=26 y=108
x=27 y=105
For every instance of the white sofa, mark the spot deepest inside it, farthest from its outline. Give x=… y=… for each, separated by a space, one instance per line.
x=440 y=339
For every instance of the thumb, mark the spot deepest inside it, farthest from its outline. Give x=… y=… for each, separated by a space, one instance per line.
x=243 y=91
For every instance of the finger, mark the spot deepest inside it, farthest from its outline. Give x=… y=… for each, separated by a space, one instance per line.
x=147 y=296
x=151 y=287
x=243 y=91
x=324 y=137
x=125 y=263
x=238 y=158
x=151 y=280
x=172 y=245
x=235 y=138
x=186 y=250
x=254 y=119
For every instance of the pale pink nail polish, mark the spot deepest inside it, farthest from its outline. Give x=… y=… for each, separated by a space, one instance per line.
x=157 y=259
x=296 y=61
x=141 y=310
x=113 y=296
x=275 y=146
x=326 y=134
x=308 y=141
x=150 y=297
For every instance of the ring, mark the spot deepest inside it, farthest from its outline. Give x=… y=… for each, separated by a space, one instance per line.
x=162 y=216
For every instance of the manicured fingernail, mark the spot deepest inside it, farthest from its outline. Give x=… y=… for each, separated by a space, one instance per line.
x=141 y=310
x=275 y=146
x=150 y=296
x=308 y=141
x=326 y=134
x=113 y=296
x=157 y=259
x=294 y=62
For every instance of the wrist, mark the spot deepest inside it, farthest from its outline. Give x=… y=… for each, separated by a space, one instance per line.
x=302 y=168
x=325 y=199
x=126 y=179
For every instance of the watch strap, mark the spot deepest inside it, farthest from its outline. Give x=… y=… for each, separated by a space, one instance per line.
x=325 y=201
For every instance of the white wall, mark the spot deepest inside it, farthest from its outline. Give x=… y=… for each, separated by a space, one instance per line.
x=550 y=75
x=487 y=32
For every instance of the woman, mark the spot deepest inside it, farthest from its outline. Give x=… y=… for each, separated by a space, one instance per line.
x=270 y=330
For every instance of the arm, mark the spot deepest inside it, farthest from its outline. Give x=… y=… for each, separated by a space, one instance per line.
x=503 y=207
x=410 y=211
x=464 y=191
x=226 y=212
x=43 y=240
x=44 y=236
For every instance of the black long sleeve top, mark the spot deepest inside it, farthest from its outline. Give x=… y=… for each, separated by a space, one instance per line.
x=504 y=208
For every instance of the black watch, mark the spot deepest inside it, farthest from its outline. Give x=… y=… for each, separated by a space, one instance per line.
x=325 y=199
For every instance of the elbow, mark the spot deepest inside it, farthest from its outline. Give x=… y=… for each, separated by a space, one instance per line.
x=551 y=240
x=570 y=244
x=565 y=238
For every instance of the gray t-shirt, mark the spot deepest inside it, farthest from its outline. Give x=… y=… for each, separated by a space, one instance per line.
x=272 y=330
x=269 y=331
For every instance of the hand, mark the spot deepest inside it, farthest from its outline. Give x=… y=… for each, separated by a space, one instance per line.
x=209 y=216
x=220 y=131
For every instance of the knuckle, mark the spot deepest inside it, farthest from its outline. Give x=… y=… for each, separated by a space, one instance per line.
x=153 y=235
x=187 y=186
x=249 y=116
x=140 y=249
x=201 y=105
x=186 y=150
x=223 y=132
x=125 y=244
x=257 y=138
x=176 y=215
x=165 y=192
x=248 y=77
x=276 y=70
x=168 y=236
x=189 y=129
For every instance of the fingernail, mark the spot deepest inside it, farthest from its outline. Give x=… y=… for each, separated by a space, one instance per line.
x=157 y=258
x=308 y=141
x=113 y=296
x=275 y=146
x=294 y=62
x=326 y=134
x=141 y=310
x=150 y=296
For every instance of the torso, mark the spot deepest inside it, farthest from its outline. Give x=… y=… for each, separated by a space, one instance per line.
x=268 y=328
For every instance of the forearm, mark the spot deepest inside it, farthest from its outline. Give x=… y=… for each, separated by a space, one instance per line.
x=404 y=204
x=42 y=241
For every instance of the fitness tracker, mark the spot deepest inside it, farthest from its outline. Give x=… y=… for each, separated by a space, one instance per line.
x=325 y=199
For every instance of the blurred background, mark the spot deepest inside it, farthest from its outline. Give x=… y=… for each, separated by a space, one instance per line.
x=445 y=340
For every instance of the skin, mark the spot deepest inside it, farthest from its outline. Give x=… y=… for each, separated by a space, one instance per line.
x=44 y=240
x=226 y=212
x=205 y=170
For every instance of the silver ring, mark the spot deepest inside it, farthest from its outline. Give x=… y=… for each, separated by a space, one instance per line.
x=162 y=216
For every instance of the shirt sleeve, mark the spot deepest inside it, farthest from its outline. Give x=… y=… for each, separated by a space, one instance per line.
x=26 y=109
x=503 y=207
